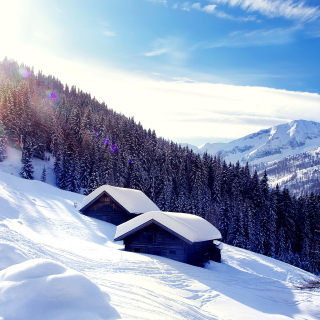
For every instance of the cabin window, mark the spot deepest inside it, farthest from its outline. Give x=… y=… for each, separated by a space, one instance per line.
x=172 y=251
x=136 y=249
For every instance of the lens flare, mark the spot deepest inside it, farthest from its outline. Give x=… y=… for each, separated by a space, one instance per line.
x=106 y=141
x=24 y=72
x=52 y=95
x=114 y=148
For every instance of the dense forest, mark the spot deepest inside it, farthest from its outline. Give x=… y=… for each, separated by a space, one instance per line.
x=93 y=145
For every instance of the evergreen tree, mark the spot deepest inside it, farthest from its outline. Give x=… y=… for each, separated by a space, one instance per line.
x=3 y=144
x=44 y=175
x=27 y=169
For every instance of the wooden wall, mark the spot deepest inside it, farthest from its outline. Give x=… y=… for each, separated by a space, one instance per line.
x=104 y=208
x=155 y=240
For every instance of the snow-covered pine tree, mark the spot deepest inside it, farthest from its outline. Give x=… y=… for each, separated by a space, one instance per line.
x=282 y=249
x=58 y=170
x=257 y=235
x=44 y=175
x=285 y=218
x=3 y=143
x=27 y=169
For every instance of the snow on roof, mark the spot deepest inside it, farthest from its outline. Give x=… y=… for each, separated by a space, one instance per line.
x=190 y=227
x=134 y=201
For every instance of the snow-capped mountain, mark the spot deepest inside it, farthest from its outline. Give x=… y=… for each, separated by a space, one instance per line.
x=267 y=145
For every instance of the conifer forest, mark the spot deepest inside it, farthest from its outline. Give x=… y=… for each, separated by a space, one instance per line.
x=93 y=145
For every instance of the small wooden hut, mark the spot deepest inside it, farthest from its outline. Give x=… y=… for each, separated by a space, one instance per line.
x=116 y=205
x=179 y=236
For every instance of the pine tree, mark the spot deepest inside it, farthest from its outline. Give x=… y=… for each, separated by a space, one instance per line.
x=44 y=175
x=3 y=144
x=27 y=169
x=282 y=252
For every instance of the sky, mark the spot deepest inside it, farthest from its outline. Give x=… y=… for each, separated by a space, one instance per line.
x=196 y=71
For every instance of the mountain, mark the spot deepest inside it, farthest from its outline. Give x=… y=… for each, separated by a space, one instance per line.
x=58 y=264
x=299 y=173
x=267 y=145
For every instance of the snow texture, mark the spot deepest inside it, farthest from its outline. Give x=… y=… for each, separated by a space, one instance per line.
x=134 y=201
x=189 y=226
x=44 y=289
x=10 y=255
x=41 y=222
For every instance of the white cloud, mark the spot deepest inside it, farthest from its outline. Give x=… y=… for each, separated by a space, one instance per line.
x=260 y=37
x=164 y=2
x=211 y=9
x=109 y=33
x=157 y=52
x=276 y=8
x=171 y=47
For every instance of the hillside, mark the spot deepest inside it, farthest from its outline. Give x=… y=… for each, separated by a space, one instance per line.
x=299 y=173
x=38 y=221
x=82 y=144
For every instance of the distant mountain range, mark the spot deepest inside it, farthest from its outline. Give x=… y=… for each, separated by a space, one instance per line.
x=289 y=152
x=267 y=145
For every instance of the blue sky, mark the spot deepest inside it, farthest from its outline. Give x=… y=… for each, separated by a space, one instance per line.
x=268 y=43
x=176 y=49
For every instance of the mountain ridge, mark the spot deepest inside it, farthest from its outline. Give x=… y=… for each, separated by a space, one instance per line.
x=272 y=144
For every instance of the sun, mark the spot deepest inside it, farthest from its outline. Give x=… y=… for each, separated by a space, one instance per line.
x=11 y=14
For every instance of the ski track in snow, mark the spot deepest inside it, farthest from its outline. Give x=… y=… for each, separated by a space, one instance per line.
x=41 y=222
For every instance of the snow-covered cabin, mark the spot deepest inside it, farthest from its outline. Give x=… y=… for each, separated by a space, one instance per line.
x=116 y=205
x=179 y=236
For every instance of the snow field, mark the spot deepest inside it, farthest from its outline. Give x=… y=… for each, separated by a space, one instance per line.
x=61 y=261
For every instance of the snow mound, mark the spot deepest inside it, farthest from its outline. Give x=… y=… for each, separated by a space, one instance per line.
x=134 y=201
x=190 y=227
x=10 y=255
x=44 y=289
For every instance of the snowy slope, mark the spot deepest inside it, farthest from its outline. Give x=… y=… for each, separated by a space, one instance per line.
x=299 y=173
x=12 y=165
x=267 y=145
x=49 y=247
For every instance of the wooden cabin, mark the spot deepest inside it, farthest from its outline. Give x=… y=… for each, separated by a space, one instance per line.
x=178 y=236
x=116 y=205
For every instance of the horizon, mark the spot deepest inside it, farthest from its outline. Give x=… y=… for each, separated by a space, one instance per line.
x=202 y=72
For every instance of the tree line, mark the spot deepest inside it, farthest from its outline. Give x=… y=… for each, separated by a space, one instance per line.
x=93 y=145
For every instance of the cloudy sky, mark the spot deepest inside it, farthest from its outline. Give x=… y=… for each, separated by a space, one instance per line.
x=197 y=71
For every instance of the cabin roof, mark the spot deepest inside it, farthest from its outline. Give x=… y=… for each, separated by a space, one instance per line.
x=133 y=201
x=188 y=227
